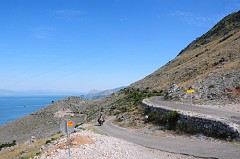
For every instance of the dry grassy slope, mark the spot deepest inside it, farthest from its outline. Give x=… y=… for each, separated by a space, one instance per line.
x=215 y=53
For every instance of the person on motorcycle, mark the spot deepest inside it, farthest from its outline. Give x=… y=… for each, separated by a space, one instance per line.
x=101 y=119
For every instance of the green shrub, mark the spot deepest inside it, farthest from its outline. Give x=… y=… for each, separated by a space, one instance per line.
x=172 y=118
x=182 y=128
x=48 y=141
x=211 y=86
x=8 y=144
x=168 y=120
x=157 y=118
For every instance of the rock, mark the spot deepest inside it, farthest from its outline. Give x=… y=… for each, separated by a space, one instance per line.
x=33 y=139
x=173 y=92
x=42 y=147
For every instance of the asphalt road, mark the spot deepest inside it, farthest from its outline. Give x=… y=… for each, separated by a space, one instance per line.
x=198 y=148
x=229 y=116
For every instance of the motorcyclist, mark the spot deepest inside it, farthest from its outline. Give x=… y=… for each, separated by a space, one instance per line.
x=101 y=119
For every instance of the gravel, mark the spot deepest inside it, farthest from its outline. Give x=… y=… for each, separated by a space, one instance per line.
x=90 y=145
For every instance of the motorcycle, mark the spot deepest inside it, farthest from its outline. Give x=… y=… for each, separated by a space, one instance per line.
x=101 y=121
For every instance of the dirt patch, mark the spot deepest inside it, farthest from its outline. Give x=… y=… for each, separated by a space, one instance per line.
x=237 y=91
x=75 y=141
x=61 y=113
x=81 y=140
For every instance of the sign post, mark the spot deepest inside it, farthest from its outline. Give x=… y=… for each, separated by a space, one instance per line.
x=191 y=91
x=66 y=126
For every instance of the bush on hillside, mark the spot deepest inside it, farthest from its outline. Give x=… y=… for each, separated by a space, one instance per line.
x=168 y=120
x=132 y=100
x=7 y=144
x=172 y=119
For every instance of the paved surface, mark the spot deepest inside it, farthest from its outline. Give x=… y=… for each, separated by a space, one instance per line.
x=229 y=116
x=205 y=149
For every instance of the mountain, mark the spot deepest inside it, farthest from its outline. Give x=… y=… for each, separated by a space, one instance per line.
x=210 y=65
x=94 y=91
x=100 y=94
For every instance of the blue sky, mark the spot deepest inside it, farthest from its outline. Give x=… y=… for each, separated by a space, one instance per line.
x=79 y=45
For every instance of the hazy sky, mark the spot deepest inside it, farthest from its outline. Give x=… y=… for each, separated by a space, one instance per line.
x=78 y=45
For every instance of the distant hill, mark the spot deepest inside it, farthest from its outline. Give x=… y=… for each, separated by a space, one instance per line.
x=210 y=65
x=100 y=94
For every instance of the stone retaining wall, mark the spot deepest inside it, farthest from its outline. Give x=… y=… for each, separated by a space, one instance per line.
x=197 y=124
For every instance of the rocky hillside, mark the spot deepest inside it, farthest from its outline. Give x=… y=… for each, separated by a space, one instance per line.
x=210 y=65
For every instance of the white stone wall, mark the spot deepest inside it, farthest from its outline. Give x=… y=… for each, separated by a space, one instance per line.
x=204 y=125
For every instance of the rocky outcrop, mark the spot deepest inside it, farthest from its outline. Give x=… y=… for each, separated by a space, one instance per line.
x=218 y=88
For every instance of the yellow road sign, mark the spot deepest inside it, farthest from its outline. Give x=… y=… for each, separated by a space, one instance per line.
x=190 y=91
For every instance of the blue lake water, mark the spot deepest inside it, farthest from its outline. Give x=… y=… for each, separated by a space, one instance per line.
x=12 y=108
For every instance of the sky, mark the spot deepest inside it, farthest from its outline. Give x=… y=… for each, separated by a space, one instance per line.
x=80 y=45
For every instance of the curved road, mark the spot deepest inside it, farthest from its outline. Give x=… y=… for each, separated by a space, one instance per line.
x=196 y=148
x=229 y=116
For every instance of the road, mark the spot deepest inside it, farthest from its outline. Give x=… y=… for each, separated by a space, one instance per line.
x=198 y=148
x=229 y=116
